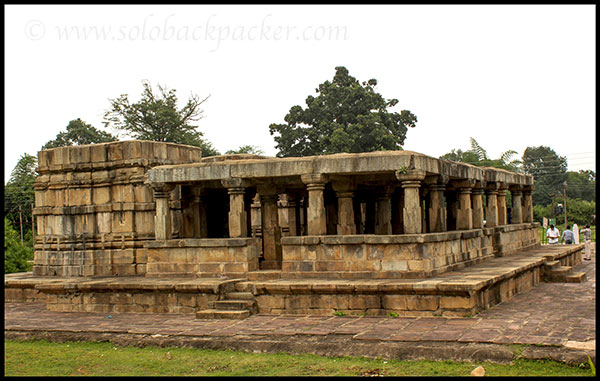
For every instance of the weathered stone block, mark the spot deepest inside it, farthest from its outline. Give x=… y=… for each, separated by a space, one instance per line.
x=422 y=302
x=364 y=301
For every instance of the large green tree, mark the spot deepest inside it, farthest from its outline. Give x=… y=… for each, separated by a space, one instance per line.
x=156 y=117
x=477 y=155
x=19 y=193
x=549 y=171
x=345 y=116
x=79 y=132
x=581 y=185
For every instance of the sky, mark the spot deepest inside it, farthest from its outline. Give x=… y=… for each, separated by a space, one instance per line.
x=509 y=76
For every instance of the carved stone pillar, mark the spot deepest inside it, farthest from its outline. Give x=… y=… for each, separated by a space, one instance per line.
x=437 y=211
x=502 y=216
x=383 y=211
x=517 y=211
x=491 y=212
x=162 y=219
x=316 y=217
x=411 y=216
x=293 y=214
x=464 y=217
x=527 y=205
x=199 y=222
x=477 y=207
x=346 y=222
x=238 y=220
x=271 y=231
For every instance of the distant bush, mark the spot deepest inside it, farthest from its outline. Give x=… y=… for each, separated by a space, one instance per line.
x=16 y=254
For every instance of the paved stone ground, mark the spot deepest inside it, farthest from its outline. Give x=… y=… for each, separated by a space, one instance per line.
x=557 y=320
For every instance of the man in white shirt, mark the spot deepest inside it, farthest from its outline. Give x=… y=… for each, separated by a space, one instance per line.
x=552 y=234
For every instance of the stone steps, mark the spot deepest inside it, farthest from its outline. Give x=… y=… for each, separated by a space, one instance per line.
x=579 y=277
x=237 y=304
x=222 y=314
x=558 y=274
x=264 y=275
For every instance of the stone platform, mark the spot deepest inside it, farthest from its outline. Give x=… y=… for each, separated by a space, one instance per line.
x=533 y=324
x=463 y=292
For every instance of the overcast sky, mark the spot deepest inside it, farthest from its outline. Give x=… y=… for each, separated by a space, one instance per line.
x=508 y=76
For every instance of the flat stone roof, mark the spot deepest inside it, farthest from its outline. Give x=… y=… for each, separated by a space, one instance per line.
x=342 y=164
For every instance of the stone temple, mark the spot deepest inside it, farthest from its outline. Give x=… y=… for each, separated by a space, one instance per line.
x=139 y=226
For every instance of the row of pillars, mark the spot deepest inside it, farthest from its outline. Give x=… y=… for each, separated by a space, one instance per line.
x=469 y=208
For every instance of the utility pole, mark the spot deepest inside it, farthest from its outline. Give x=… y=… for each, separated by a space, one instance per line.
x=565 y=197
x=21 y=224
x=32 y=227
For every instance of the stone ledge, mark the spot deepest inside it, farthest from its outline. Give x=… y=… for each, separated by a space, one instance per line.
x=201 y=242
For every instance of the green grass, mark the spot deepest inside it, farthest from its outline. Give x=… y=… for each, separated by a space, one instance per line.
x=43 y=358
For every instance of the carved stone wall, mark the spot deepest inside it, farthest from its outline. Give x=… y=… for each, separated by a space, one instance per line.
x=94 y=209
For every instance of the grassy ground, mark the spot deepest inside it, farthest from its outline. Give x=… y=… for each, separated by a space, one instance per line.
x=42 y=358
x=561 y=228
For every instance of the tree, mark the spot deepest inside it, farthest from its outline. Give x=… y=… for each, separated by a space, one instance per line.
x=78 y=132
x=581 y=185
x=19 y=193
x=479 y=156
x=345 y=116
x=549 y=172
x=16 y=255
x=156 y=117
x=247 y=149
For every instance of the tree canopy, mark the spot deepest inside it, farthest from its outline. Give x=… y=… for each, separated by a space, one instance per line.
x=18 y=192
x=549 y=172
x=79 y=132
x=345 y=116
x=581 y=185
x=477 y=155
x=156 y=117
x=246 y=149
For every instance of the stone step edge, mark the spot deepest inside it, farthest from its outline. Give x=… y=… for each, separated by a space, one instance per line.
x=579 y=277
x=222 y=314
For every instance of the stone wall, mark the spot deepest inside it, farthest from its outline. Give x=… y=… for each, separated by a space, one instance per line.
x=232 y=257
x=509 y=239
x=94 y=208
x=376 y=256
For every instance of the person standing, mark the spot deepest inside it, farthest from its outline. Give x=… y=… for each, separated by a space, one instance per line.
x=587 y=241
x=567 y=236
x=552 y=234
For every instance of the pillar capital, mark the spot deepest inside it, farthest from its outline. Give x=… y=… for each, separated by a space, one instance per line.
x=491 y=187
x=314 y=178
x=162 y=190
x=235 y=183
x=414 y=175
x=463 y=183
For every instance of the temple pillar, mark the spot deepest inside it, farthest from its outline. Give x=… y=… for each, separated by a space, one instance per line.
x=271 y=232
x=316 y=217
x=502 y=215
x=238 y=220
x=162 y=219
x=293 y=214
x=411 y=215
x=477 y=206
x=517 y=211
x=491 y=212
x=437 y=211
x=464 y=217
x=527 y=205
x=346 y=222
x=198 y=214
x=383 y=211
